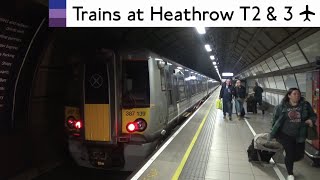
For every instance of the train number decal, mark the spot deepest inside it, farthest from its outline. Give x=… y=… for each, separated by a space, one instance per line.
x=129 y=113
x=132 y=113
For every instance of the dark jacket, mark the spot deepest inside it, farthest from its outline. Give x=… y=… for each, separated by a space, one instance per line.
x=227 y=93
x=240 y=92
x=279 y=118
x=258 y=92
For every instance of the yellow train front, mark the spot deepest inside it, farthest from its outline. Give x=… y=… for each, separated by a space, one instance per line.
x=128 y=101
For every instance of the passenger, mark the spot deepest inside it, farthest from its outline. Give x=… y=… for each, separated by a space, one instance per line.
x=226 y=93
x=290 y=121
x=240 y=95
x=258 y=96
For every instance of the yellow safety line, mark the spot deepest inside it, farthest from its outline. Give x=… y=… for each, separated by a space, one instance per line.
x=186 y=155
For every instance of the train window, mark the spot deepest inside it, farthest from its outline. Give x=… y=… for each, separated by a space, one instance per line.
x=136 y=90
x=96 y=83
x=272 y=65
x=181 y=85
x=294 y=56
x=204 y=84
x=175 y=88
x=163 y=79
x=279 y=82
x=290 y=81
x=193 y=87
x=281 y=61
x=170 y=97
x=311 y=46
x=169 y=80
x=302 y=79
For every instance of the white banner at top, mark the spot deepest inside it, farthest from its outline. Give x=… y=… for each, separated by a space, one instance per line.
x=192 y=13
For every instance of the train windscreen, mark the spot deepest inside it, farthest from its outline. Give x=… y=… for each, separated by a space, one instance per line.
x=135 y=86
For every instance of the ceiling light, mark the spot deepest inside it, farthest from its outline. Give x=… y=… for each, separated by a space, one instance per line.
x=214 y=63
x=201 y=30
x=208 y=48
x=227 y=74
x=179 y=67
x=212 y=57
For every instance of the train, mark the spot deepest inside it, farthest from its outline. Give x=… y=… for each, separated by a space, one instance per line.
x=121 y=103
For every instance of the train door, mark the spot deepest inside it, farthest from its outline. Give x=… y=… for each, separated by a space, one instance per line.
x=99 y=102
x=170 y=93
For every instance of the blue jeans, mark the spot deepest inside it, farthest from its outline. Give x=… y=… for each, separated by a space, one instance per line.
x=239 y=105
x=227 y=107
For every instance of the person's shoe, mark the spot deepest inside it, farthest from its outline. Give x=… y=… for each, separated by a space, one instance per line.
x=290 y=177
x=230 y=118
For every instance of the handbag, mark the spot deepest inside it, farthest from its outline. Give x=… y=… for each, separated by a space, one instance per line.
x=218 y=104
x=312 y=133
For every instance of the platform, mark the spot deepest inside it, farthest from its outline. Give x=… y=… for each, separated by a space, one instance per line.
x=207 y=146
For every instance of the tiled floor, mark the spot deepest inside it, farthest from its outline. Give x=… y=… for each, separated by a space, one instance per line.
x=228 y=157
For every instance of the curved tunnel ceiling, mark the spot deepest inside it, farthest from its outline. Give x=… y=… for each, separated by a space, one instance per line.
x=235 y=48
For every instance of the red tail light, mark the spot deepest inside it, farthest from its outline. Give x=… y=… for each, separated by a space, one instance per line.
x=78 y=124
x=138 y=125
x=72 y=123
x=131 y=127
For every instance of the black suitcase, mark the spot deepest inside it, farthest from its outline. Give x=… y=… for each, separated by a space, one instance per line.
x=251 y=105
x=258 y=155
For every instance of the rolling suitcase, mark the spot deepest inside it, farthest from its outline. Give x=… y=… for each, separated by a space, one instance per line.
x=258 y=155
x=251 y=105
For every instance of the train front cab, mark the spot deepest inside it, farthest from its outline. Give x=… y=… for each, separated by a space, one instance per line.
x=106 y=122
x=92 y=122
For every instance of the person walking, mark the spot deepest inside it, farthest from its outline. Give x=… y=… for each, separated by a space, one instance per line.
x=291 y=119
x=227 y=93
x=240 y=95
x=258 y=96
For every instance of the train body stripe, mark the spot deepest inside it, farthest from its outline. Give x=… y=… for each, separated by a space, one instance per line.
x=97 y=122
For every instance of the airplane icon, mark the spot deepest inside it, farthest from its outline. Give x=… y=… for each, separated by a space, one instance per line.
x=307 y=13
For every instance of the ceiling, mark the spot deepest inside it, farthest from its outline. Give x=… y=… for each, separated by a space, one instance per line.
x=234 y=48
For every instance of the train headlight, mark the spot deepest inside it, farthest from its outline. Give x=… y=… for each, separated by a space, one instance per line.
x=138 y=125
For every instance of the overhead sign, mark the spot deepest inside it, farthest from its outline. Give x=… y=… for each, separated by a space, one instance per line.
x=183 y=13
